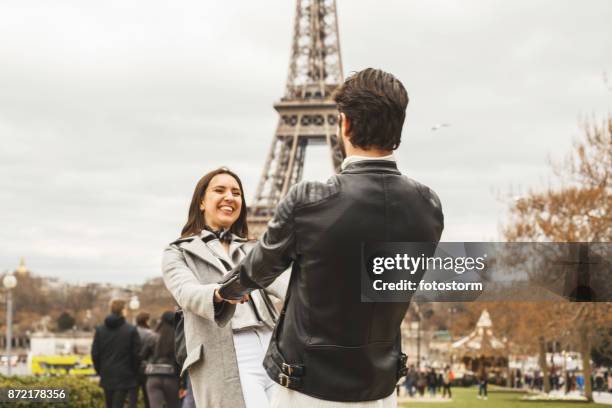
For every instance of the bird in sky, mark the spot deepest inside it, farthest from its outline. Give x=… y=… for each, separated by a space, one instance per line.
x=438 y=126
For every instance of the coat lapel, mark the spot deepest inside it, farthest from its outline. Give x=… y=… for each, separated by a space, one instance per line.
x=204 y=251
x=217 y=249
x=198 y=248
x=236 y=243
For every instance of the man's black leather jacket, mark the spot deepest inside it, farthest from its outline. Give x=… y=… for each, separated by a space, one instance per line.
x=327 y=343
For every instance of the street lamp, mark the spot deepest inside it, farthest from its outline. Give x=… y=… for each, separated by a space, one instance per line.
x=417 y=309
x=10 y=282
x=134 y=305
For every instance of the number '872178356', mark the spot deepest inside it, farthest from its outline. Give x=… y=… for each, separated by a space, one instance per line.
x=32 y=394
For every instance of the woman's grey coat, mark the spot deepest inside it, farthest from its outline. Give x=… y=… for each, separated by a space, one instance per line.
x=191 y=270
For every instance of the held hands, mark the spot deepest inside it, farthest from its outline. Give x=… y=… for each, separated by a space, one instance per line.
x=218 y=299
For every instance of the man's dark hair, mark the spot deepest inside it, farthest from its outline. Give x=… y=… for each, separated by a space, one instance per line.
x=375 y=102
x=142 y=319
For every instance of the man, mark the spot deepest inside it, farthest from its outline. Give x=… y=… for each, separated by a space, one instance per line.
x=115 y=354
x=327 y=345
x=411 y=380
x=147 y=340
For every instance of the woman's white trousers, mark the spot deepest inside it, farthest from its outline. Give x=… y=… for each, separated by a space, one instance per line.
x=251 y=346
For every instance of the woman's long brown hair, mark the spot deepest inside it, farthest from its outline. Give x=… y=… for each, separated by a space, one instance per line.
x=164 y=345
x=195 y=219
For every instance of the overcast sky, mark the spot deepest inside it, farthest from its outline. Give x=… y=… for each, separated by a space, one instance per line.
x=110 y=111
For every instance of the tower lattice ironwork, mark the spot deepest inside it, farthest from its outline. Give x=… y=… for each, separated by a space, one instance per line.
x=307 y=114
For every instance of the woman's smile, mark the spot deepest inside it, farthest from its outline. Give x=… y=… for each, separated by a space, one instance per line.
x=222 y=202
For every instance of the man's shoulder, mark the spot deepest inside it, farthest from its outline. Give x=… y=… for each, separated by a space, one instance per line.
x=312 y=192
x=130 y=327
x=426 y=192
x=145 y=334
x=305 y=193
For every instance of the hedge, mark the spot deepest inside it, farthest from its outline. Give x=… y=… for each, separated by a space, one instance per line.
x=83 y=392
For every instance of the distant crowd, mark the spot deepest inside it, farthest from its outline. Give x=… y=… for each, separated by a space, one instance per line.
x=421 y=382
x=131 y=358
x=569 y=381
x=418 y=381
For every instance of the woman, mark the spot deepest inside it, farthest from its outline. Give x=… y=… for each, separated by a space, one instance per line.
x=161 y=371
x=226 y=343
x=447 y=378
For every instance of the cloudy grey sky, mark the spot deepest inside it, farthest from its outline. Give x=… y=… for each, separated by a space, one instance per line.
x=111 y=111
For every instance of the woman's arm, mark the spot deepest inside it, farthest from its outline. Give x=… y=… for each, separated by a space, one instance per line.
x=188 y=292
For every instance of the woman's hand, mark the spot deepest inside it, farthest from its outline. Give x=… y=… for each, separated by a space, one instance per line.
x=218 y=299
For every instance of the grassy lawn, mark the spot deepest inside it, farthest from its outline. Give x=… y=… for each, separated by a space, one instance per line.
x=466 y=398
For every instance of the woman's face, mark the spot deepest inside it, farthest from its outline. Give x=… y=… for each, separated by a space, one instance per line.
x=222 y=202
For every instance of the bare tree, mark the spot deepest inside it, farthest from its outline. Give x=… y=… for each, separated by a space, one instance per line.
x=578 y=210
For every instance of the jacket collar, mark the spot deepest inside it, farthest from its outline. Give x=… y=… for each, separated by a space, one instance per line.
x=371 y=166
x=204 y=250
x=356 y=158
x=206 y=235
x=199 y=248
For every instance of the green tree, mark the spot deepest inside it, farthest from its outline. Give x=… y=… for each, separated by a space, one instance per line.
x=65 y=321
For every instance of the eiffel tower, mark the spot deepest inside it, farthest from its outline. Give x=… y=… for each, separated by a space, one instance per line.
x=307 y=114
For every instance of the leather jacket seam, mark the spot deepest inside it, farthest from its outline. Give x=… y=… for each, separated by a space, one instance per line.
x=376 y=343
x=315 y=203
x=330 y=190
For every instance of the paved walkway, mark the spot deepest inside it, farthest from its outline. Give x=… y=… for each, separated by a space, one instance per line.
x=603 y=397
x=599 y=397
x=437 y=399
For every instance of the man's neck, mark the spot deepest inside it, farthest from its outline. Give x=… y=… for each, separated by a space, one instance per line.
x=354 y=158
x=357 y=151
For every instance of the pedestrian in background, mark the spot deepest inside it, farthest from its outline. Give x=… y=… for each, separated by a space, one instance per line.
x=411 y=380
x=483 y=381
x=186 y=392
x=580 y=382
x=431 y=382
x=421 y=382
x=146 y=338
x=162 y=370
x=115 y=355
x=447 y=378
x=599 y=382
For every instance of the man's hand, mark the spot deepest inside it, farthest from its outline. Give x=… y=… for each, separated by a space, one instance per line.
x=232 y=289
x=218 y=299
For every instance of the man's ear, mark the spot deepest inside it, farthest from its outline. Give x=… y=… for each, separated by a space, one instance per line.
x=346 y=125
